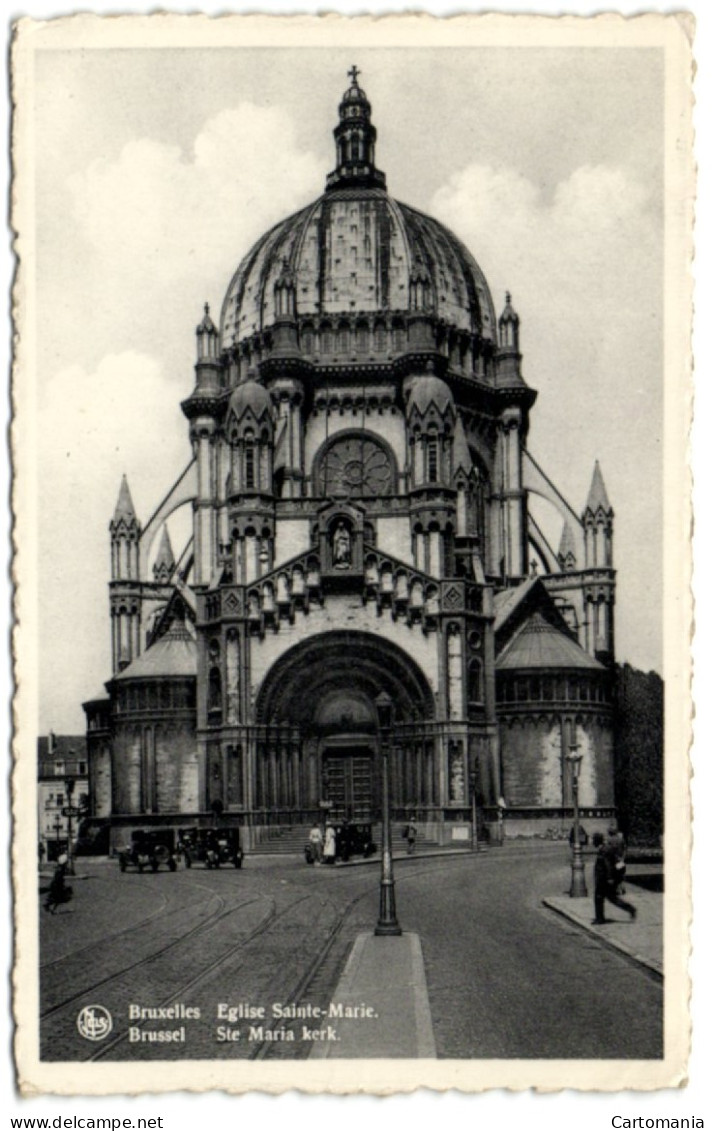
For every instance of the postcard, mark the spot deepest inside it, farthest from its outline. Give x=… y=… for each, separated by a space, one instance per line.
x=351 y=397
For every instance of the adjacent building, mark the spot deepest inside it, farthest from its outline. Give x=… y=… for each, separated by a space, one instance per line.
x=62 y=791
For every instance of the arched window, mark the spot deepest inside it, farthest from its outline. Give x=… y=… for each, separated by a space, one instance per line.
x=432 y=460
x=250 y=466
x=476 y=688
x=214 y=691
x=343 y=337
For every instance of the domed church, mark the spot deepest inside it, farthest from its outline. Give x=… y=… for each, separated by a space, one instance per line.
x=360 y=482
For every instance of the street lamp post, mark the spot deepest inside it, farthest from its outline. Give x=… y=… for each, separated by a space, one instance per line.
x=70 y=784
x=387 y=920
x=578 y=875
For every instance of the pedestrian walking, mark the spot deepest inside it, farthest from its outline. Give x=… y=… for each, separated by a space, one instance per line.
x=329 y=847
x=606 y=881
x=315 y=840
x=59 y=891
x=411 y=835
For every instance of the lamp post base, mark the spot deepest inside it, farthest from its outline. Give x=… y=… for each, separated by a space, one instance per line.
x=388 y=929
x=387 y=920
x=578 y=879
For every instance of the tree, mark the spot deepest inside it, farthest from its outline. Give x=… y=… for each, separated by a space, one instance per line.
x=638 y=754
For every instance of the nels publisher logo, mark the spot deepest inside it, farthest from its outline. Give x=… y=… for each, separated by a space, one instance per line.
x=94 y=1022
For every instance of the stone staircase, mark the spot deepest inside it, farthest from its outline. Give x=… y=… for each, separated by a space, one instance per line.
x=284 y=840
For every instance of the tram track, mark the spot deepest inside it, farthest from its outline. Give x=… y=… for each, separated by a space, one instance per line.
x=161 y=969
x=318 y=983
x=204 y=926
x=193 y=983
x=109 y=937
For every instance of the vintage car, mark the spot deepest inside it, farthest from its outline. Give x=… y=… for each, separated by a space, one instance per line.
x=211 y=847
x=354 y=840
x=149 y=848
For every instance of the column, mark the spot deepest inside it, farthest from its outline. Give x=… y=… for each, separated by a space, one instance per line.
x=435 y=553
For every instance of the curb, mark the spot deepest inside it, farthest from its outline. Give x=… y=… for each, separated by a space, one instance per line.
x=652 y=968
x=349 y=988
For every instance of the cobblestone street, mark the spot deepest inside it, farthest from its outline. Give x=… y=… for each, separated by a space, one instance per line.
x=505 y=976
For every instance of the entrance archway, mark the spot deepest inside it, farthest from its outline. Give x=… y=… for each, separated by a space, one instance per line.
x=322 y=693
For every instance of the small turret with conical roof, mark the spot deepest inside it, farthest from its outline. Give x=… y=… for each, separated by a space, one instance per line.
x=165 y=563
x=124 y=531
x=124 y=511
x=600 y=589
x=124 y=534
x=508 y=356
x=597 y=496
x=598 y=523
x=567 y=549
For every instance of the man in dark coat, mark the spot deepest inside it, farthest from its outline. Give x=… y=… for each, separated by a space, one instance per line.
x=607 y=880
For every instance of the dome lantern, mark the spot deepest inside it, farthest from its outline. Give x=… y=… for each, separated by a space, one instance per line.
x=355 y=138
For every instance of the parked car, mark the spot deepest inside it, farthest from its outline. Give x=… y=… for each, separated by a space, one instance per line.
x=211 y=847
x=149 y=848
x=354 y=840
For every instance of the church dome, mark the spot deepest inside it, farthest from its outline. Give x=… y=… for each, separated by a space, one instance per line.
x=357 y=250
x=429 y=390
x=250 y=395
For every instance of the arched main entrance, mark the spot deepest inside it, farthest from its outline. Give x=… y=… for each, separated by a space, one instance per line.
x=323 y=693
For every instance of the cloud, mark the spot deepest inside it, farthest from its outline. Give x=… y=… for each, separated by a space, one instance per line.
x=583 y=264
x=157 y=216
x=122 y=417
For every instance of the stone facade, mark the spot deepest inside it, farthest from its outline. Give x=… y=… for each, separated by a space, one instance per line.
x=360 y=481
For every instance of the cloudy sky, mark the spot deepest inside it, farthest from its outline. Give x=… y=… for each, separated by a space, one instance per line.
x=155 y=171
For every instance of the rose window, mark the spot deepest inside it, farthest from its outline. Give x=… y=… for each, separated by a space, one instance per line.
x=355 y=466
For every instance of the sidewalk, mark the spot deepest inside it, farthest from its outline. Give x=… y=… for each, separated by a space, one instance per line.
x=383 y=986
x=640 y=940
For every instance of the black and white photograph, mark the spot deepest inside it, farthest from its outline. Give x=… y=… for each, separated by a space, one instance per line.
x=351 y=401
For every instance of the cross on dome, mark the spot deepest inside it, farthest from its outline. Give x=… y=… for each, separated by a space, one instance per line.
x=353 y=74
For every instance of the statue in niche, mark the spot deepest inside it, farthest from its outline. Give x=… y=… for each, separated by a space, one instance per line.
x=456 y=776
x=342 y=544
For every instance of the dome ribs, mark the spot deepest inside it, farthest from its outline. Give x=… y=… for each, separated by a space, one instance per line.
x=271 y=258
x=383 y=230
x=356 y=254
x=323 y=225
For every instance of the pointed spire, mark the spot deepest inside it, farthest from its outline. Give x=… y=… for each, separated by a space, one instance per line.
x=124 y=510
x=461 y=456
x=206 y=338
x=206 y=324
x=355 y=138
x=567 y=548
x=597 y=497
x=165 y=562
x=508 y=326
